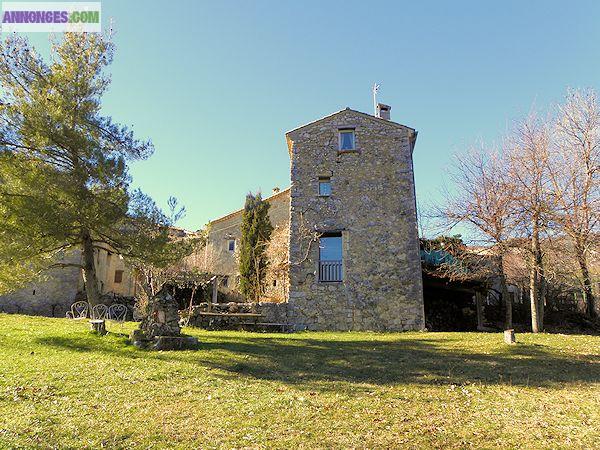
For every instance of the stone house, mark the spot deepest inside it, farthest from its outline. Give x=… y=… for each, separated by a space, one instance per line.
x=221 y=249
x=350 y=214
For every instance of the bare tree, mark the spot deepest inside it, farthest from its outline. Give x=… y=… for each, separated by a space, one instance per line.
x=574 y=170
x=483 y=201
x=526 y=152
x=278 y=252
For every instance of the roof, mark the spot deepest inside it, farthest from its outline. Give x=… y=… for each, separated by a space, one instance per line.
x=241 y=210
x=368 y=116
x=182 y=231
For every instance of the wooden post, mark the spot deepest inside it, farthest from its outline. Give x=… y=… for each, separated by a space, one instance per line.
x=192 y=299
x=479 y=306
x=509 y=336
x=214 y=292
x=98 y=326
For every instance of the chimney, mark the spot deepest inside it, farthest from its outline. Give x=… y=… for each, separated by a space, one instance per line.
x=383 y=111
x=275 y=190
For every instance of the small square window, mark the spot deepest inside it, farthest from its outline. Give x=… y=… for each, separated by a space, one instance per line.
x=347 y=141
x=231 y=245
x=324 y=187
x=118 y=276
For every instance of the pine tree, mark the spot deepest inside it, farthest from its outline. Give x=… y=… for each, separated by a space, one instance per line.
x=256 y=233
x=64 y=183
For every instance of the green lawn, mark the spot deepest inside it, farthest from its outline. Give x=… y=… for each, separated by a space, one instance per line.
x=62 y=387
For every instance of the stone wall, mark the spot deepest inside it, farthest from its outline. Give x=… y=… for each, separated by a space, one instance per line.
x=273 y=313
x=373 y=205
x=54 y=294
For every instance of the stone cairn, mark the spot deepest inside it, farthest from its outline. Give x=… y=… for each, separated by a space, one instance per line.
x=160 y=328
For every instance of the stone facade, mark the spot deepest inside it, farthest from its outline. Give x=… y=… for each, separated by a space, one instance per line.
x=108 y=266
x=371 y=205
x=52 y=296
x=56 y=292
x=220 y=259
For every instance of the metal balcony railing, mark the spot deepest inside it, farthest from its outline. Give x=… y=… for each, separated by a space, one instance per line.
x=330 y=271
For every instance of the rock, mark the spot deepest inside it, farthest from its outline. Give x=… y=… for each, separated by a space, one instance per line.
x=137 y=335
x=174 y=343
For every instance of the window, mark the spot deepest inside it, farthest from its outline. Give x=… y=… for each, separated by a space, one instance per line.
x=225 y=281
x=118 y=276
x=231 y=245
x=347 y=139
x=274 y=283
x=324 y=186
x=330 y=257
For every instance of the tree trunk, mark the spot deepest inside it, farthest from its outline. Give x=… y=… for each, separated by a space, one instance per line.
x=89 y=268
x=542 y=303
x=98 y=326
x=537 y=281
x=587 y=282
x=505 y=295
x=533 y=298
x=534 y=275
x=215 y=293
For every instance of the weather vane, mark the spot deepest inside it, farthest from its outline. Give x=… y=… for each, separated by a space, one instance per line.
x=375 y=90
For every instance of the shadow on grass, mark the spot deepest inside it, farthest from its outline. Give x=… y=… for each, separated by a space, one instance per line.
x=403 y=361
x=382 y=362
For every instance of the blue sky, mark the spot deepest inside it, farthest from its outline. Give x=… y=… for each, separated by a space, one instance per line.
x=215 y=85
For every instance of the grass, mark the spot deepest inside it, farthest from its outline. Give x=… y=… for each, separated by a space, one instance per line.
x=62 y=387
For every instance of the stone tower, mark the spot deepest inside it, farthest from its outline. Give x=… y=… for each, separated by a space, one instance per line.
x=354 y=250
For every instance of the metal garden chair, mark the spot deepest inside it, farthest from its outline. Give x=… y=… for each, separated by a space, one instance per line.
x=117 y=312
x=79 y=310
x=99 y=311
